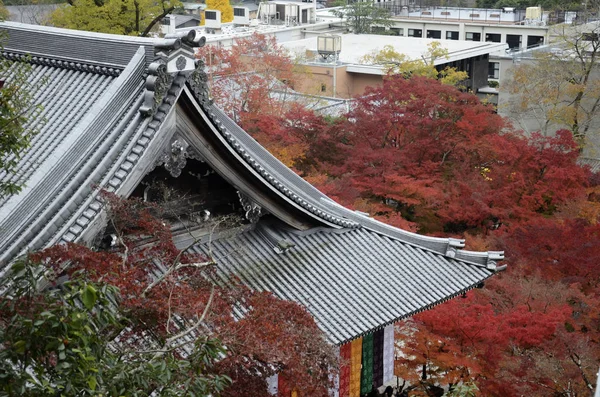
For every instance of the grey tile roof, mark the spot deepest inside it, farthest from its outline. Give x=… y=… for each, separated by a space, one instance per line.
x=353 y=281
x=593 y=163
x=74 y=45
x=66 y=97
x=69 y=155
x=93 y=134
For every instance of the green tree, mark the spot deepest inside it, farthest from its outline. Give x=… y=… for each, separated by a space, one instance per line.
x=60 y=341
x=128 y=17
x=3 y=11
x=398 y=63
x=222 y=5
x=361 y=16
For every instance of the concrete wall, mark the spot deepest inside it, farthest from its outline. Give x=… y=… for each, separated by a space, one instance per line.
x=319 y=81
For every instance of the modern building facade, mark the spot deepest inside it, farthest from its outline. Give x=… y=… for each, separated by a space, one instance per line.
x=346 y=75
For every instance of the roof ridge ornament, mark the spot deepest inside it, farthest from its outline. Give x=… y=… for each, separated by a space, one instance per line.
x=175 y=55
x=253 y=211
x=157 y=85
x=493 y=258
x=454 y=244
x=199 y=84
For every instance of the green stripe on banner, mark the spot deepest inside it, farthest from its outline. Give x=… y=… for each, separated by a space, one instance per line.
x=366 y=375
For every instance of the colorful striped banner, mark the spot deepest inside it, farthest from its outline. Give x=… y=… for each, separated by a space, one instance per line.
x=355 y=364
x=366 y=375
x=388 y=353
x=365 y=362
x=345 y=357
x=378 y=357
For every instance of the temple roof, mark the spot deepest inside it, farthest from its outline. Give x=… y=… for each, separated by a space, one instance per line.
x=117 y=107
x=353 y=281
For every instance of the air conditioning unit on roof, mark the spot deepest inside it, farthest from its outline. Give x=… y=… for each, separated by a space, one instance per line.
x=212 y=19
x=241 y=16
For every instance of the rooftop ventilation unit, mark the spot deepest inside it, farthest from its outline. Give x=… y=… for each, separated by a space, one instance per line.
x=267 y=12
x=212 y=19
x=241 y=16
x=533 y=13
x=292 y=12
x=329 y=46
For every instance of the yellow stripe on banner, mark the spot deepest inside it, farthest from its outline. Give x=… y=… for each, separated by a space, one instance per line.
x=355 y=366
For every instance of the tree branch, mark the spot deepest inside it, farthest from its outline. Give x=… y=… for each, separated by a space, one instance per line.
x=120 y=239
x=577 y=361
x=156 y=20
x=198 y=323
x=174 y=268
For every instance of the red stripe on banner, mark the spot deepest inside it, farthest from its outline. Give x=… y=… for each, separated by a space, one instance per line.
x=345 y=355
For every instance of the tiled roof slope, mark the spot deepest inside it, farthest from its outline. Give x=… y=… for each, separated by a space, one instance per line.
x=91 y=87
x=73 y=45
x=593 y=163
x=68 y=97
x=353 y=281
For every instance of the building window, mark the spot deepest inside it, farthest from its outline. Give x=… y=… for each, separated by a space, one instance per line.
x=473 y=15
x=239 y=12
x=534 y=41
x=473 y=36
x=494 y=70
x=445 y=13
x=513 y=41
x=493 y=37
x=397 y=31
x=451 y=35
x=434 y=34
x=323 y=87
x=212 y=15
x=415 y=33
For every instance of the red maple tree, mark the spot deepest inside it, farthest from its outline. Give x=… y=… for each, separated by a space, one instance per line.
x=173 y=295
x=426 y=156
x=251 y=78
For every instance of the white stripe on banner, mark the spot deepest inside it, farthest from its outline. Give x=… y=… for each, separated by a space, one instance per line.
x=335 y=391
x=273 y=383
x=388 y=353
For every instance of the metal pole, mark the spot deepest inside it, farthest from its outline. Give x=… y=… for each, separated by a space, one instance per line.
x=334 y=74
